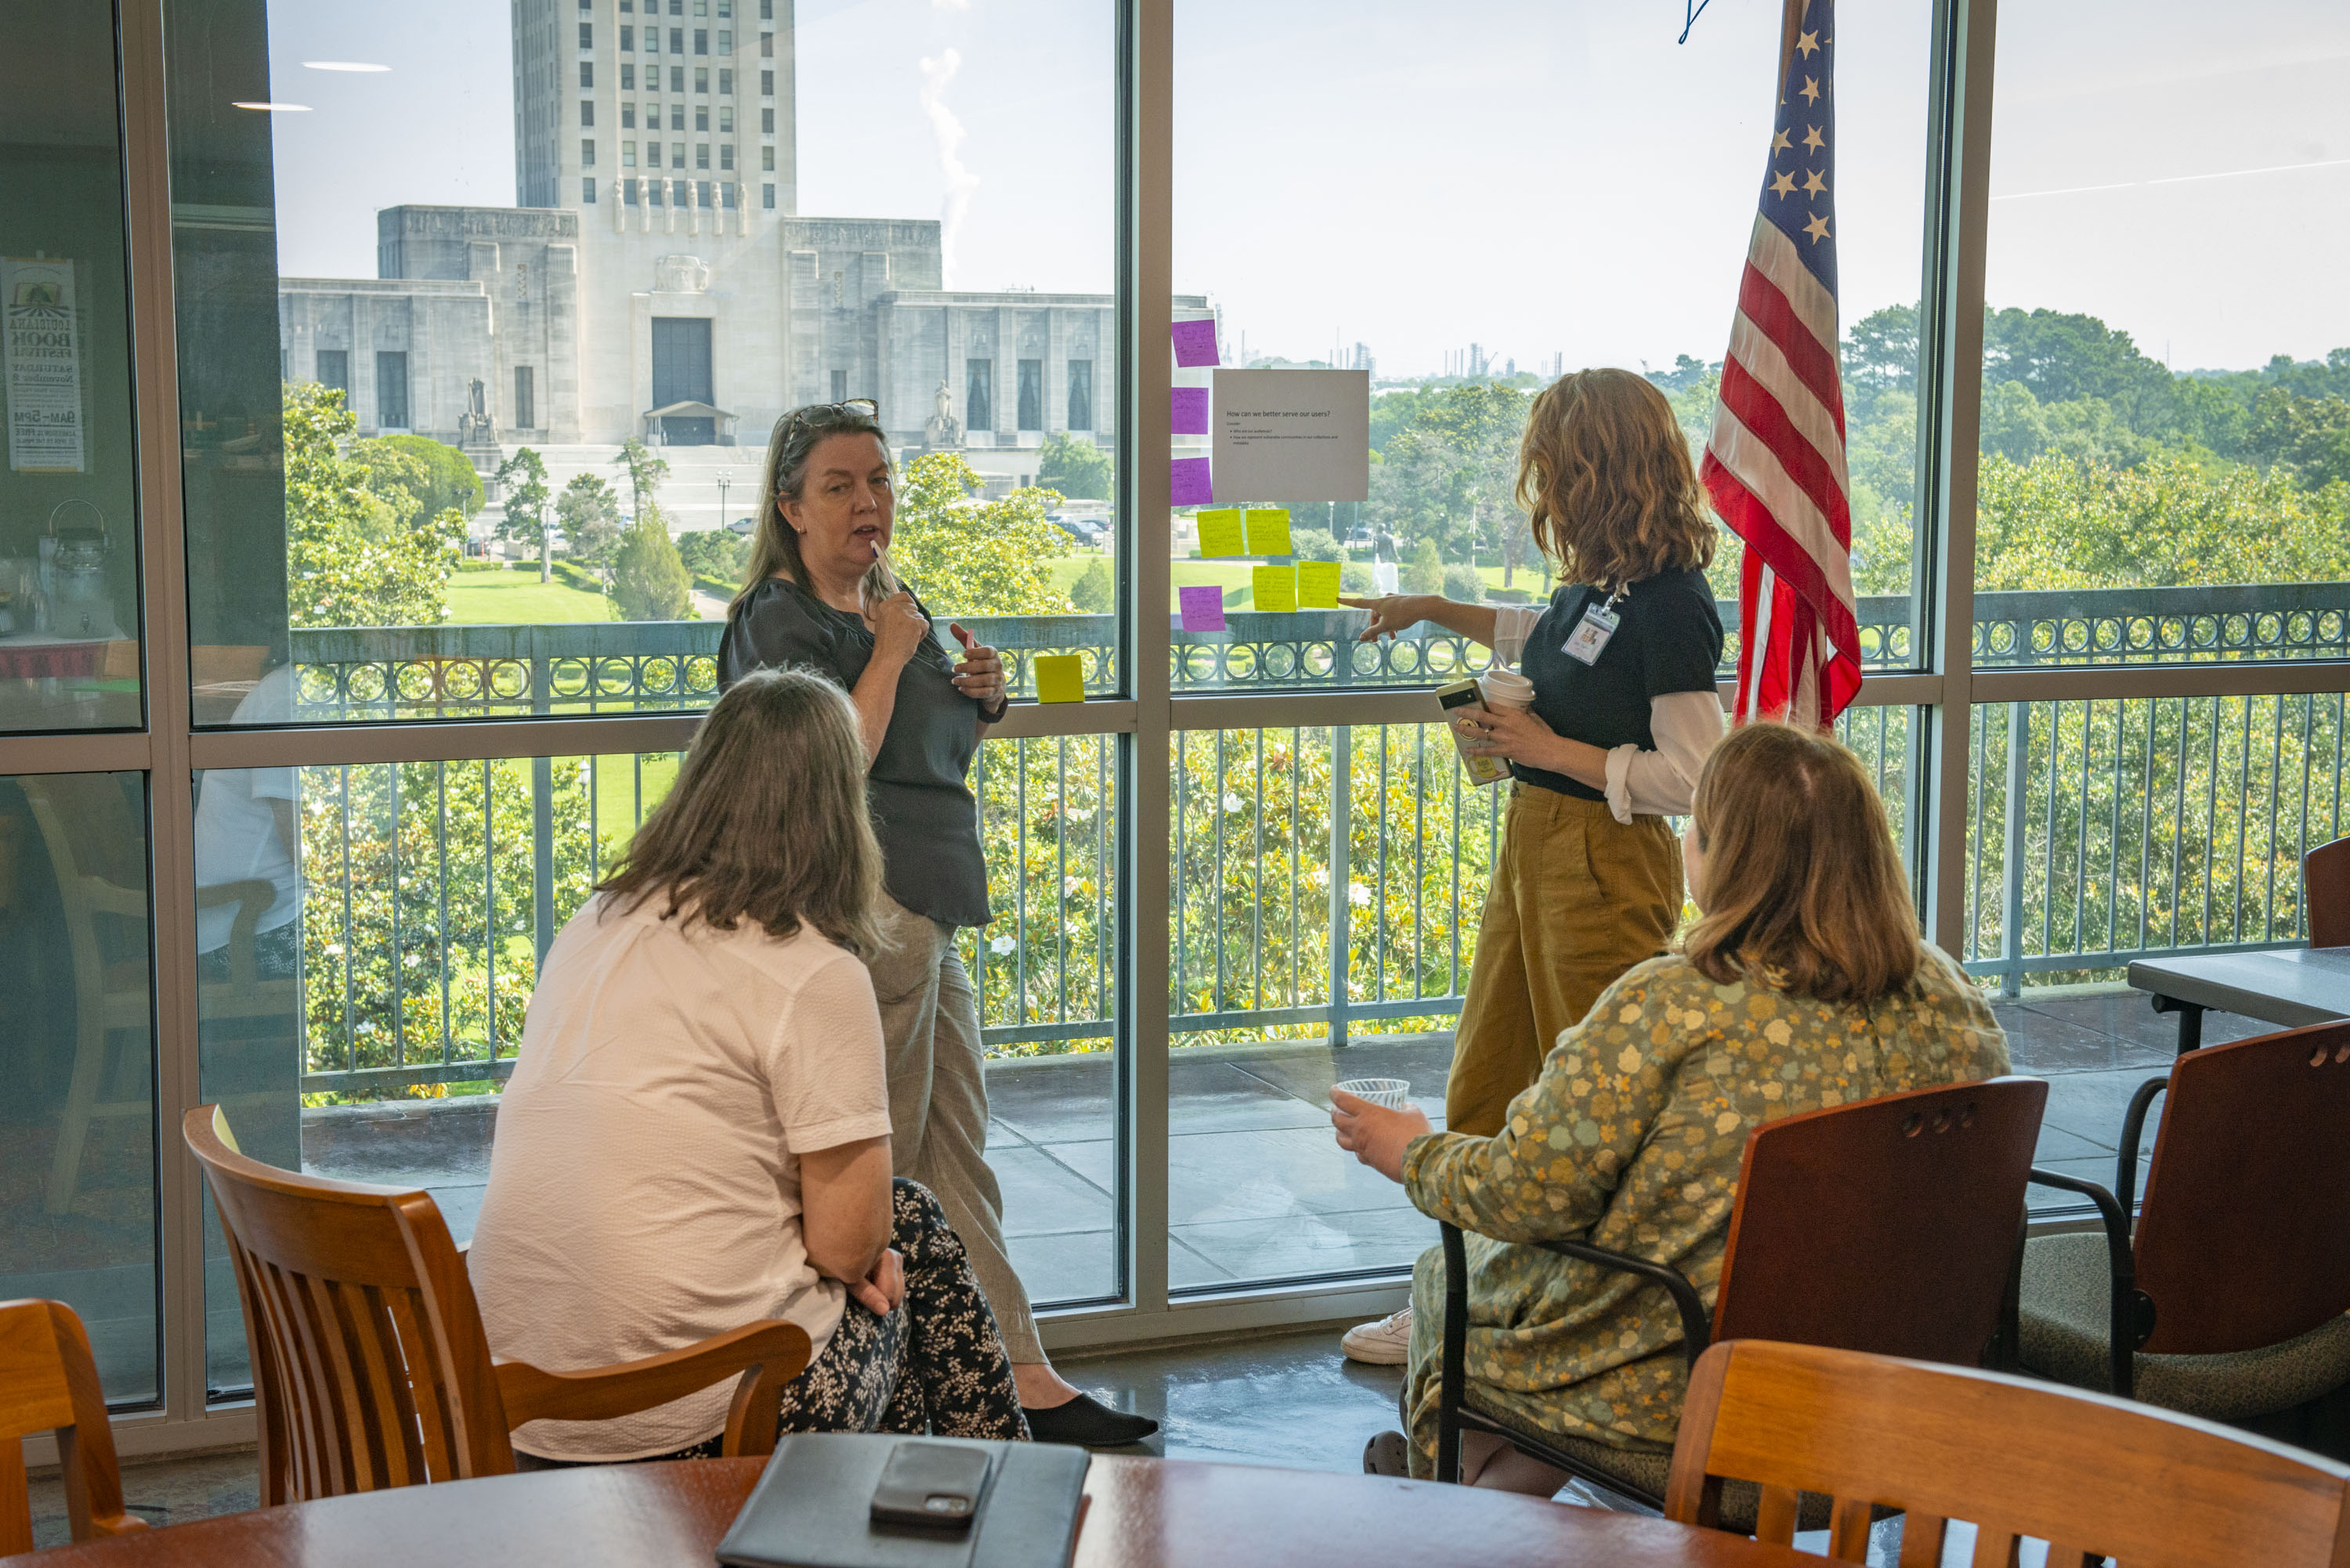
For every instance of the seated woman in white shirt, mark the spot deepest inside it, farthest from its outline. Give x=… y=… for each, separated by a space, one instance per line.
x=696 y=1134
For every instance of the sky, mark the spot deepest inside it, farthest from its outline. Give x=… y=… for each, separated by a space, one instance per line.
x=1540 y=177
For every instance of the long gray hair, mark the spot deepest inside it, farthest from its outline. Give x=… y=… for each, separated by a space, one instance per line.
x=766 y=820
x=775 y=544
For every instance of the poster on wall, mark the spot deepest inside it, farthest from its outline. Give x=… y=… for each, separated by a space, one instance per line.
x=1292 y=435
x=40 y=356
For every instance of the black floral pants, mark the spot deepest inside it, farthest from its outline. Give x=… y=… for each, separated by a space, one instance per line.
x=935 y=1365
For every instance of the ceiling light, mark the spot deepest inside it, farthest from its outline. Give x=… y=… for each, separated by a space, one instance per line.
x=280 y=108
x=342 y=66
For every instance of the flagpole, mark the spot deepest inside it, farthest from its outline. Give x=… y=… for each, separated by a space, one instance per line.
x=1791 y=25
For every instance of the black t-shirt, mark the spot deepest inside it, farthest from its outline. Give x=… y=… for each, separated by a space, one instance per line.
x=1669 y=641
x=923 y=813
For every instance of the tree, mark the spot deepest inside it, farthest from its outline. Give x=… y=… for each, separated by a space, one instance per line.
x=589 y=514
x=522 y=483
x=648 y=580
x=1079 y=470
x=351 y=556
x=1095 y=591
x=1424 y=569
x=645 y=473
x=719 y=554
x=967 y=557
x=439 y=475
x=2310 y=436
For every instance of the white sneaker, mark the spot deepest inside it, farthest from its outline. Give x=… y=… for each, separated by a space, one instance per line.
x=1386 y=1343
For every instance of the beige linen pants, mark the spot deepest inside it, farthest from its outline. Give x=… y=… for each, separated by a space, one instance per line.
x=938 y=1103
x=1577 y=899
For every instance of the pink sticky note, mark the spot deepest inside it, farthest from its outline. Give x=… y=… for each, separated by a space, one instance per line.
x=1195 y=341
x=1188 y=483
x=1203 y=608
x=1189 y=408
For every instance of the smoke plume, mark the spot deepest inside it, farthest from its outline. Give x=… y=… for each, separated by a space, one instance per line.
x=961 y=181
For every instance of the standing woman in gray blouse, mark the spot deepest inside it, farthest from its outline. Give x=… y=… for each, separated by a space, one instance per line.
x=820 y=595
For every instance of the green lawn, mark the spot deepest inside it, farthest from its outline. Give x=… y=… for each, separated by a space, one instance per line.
x=519 y=599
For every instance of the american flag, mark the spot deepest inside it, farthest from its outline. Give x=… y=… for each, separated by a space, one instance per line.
x=1774 y=461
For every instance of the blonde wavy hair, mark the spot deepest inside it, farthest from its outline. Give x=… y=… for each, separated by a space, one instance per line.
x=1604 y=477
x=1803 y=887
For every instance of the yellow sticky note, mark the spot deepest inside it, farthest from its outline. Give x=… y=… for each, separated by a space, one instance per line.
x=1268 y=531
x=1060 y=677
x=1219 y=531
x=1275 y=587
x=1317 y=585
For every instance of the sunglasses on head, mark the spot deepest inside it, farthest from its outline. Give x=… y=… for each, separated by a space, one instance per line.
x=822 y=413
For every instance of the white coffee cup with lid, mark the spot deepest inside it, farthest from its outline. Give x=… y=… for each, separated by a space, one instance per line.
x=1506 y=688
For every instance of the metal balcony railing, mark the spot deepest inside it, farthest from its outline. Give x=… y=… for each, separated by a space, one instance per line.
x=433 y=888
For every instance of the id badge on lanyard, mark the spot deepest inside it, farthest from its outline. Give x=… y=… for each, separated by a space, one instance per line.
x=1589 y=638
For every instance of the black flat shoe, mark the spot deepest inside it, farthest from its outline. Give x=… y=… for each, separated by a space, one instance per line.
x=1086 y=1423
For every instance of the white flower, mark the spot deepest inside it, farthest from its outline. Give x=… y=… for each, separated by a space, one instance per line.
x=1357 y=895
x=1072 y=886
x=1003 y=944
x=1319 y=876
x=1231 y=802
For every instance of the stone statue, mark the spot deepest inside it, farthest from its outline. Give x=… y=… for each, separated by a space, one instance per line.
x=943 y=431
x=473 y=425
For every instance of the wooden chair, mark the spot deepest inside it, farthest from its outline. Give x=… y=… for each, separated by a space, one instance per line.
x=2325 y=894
x=98 y=850
x=2015 y=1458
x=49 y=1382
x=1890 y=1225
x=2231 y=1301
x=370 y=1366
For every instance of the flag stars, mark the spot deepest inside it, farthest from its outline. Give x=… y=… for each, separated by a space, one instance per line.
x=1812 y=185
x=1811 y=90
x=1812 y=140
x=1780 y=144
x=1783 y=183
x=1808 y=44
x=1817 y=228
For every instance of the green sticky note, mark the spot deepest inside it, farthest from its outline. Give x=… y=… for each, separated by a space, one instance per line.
x=1219 y=531
x=1060 y=678
x=1275 y=587
x=1268 y=531
x=1317 y=585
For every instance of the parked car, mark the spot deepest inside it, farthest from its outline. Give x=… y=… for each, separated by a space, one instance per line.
x=1084 y=530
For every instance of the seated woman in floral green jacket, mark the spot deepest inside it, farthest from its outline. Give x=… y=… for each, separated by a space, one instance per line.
x=1803 y=984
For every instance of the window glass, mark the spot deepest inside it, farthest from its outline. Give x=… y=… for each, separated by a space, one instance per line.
x=77 y=1049
x=388 y=507
x=2166 y=415
x=69 y=654
x=1522 y=262
x=361 y=1023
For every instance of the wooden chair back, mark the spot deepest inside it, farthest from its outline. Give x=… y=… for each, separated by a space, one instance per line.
x=1913 y=1261
x=2244 y=1238
x=370 y=1367
x=2325 y=894
x=49 y=1382
x=2090 y=1474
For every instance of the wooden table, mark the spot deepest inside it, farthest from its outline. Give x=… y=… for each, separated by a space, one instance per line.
x=1145 y=1513
x=2290 y=988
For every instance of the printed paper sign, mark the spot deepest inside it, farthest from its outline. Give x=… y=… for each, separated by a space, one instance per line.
x=1219 y=531
x=1189 y=409
x=1203 y=607
x=1317 y=585
x=1195 y=342
x=43 y=357
x=1060 y=677
x=1275 y=588
x=1268 y=531
x=1188 y=483
x=1301 y=435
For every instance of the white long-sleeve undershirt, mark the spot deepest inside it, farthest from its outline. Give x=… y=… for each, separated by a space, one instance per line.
x=1686 y=726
